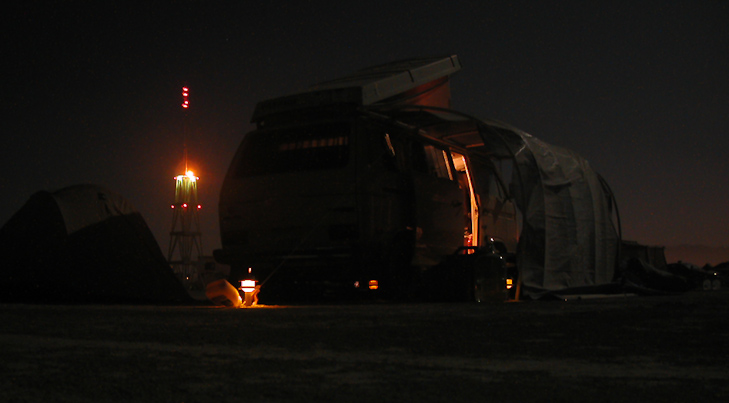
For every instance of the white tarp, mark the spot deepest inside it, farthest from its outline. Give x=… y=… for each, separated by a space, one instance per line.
x=568 y=238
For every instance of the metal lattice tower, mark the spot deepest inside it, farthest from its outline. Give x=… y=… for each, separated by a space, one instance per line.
x=185 y=236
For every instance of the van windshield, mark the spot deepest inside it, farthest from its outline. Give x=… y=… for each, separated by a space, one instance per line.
x=311 y=147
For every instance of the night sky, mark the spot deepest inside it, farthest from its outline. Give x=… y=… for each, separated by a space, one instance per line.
x=639 y=88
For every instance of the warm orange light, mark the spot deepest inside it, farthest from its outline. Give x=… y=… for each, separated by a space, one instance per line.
x=374 y=284
x=248 y=285
x=250 y=292
x=189 y=175
x=509 y=283
x=221 y=292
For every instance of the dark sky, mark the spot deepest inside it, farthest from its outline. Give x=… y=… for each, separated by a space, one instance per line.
x=639 y=88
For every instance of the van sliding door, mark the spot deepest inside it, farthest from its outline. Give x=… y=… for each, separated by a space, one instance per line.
x=439 y=204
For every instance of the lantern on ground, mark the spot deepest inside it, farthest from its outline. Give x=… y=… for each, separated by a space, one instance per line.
x=249 y=289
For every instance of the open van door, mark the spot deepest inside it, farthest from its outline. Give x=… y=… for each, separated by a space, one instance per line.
x=439 y=205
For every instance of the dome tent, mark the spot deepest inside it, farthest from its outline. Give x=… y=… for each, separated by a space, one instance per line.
x=83 y=244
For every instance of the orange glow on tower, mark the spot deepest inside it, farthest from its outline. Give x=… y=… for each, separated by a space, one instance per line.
x=185 y=236
x=185 y=249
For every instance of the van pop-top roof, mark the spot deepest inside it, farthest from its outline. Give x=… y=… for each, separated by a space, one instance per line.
x=415 y=81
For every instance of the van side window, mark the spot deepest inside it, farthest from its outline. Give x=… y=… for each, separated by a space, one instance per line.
x=431 y=160
x=417 y=157
x=302 y=148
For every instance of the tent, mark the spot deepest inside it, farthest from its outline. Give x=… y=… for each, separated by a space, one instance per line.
x=568 y=241
x=568 y=238
x=83 y=244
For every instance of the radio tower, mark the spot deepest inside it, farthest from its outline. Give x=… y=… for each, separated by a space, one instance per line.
x=185 y=238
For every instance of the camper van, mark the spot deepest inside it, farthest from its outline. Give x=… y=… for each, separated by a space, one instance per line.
x=370 y=184
x=328 y=195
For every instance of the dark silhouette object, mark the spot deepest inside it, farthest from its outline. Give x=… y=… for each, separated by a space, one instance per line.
x=83 y=244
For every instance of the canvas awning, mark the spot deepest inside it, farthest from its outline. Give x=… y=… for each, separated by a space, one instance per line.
x=568 y=239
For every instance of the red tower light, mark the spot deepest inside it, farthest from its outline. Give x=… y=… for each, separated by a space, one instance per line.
x=185 y=97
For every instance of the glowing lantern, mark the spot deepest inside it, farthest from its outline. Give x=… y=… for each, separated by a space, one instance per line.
x=250 y=290
x=509 y=283
x=374 y=284
x=248 y=285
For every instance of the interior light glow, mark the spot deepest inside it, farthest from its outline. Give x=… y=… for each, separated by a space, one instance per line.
x=374 y=284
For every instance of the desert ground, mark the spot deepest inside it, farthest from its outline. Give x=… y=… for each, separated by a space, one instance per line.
x=640 y=349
